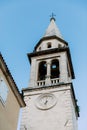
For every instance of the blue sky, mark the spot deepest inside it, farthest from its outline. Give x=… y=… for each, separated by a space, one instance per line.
x=23 y=23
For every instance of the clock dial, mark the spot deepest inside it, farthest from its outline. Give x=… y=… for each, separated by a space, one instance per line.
x=46 y=101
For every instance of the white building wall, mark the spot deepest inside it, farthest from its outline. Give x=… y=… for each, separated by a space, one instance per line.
x=59 y=117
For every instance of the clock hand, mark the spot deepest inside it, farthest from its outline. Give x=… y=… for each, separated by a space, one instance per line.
x=46 y=102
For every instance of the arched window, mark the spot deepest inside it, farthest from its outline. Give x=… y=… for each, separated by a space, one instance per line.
x=39 y=48
x=55 y=69
x=42 y=71
x=59 y=46
x=49 y=45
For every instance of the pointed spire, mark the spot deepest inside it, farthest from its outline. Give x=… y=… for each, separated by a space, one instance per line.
x=52 y=29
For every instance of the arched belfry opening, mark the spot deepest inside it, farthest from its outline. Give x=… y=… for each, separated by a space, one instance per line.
x=42 y=70
x=55 y=69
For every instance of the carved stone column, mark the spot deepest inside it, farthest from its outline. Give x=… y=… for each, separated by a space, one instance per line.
x=48 y=80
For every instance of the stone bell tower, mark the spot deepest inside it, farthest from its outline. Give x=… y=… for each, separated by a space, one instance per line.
x=50 y=99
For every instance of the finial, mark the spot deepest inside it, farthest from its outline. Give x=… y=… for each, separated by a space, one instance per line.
x=52 y=16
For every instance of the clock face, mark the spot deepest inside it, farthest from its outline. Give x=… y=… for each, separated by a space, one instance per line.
x=46 y=101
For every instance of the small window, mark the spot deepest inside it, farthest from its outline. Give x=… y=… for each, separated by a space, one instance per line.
x=59 y=46
x=49 y=45
x=39 y=48
x=3 y=91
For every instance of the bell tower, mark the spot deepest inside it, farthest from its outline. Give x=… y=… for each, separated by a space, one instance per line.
x=50 y=99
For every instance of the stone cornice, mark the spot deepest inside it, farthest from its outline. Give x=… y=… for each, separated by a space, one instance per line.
x=45 y=87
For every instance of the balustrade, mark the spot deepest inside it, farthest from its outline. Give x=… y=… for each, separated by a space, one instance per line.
x=43 y=82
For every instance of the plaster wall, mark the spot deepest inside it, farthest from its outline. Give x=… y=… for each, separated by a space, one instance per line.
x=9 y=110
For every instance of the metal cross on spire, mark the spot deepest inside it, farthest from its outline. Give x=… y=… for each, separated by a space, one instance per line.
x=52 y=16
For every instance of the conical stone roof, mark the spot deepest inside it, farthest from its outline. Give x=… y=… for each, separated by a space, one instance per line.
x=53 y=30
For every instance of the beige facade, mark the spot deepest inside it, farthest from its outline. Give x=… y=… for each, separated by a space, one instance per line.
x=10 y=99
